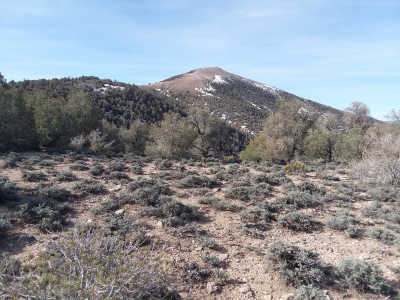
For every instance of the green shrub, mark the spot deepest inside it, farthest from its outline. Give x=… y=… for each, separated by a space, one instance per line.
x=325 y=176
x=297 y=266
x=137 y=169
x=385 y=194
x=341 y=222
x=45 y=214
x=88 y=186
x=55 y=192
x=79 y=166
x=8 y=190
x=218 y=204
x=163 y=164
x=208 y=242
x=277 y=178
x=310 y=187
x=364 y=276
x=118 y=175
x=65 y=176
x=211 y=260
x=238 y=192
x=4 y=225
x=309 y=292
x=195 y=273
x=192 y=181
x=297 y=167
x=116 y=166
x=297 y=221
x=173 y=212
x=107 y=266
x=33 y=176
x=97 y=170
x=295 y=200
x=11 y=160
x=381 y=234
x=257 y=215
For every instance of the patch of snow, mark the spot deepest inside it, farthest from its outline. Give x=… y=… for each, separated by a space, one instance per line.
x=218 y=79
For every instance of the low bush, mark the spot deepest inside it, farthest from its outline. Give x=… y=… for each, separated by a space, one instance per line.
x=257 y=215
x=118 y=175
x=88 y=186
x=294 y=200
x=192 y=181
x=163 y=164
x=378 y=211
x=329 y=177
x=173 y=213
x=310 y=187
x=297 y=266
x=33 y=176
x=11 y=160
x=274 y=179
x=107 y=266
x=211 y=260
x=55 y=192
x=208 y=242
x=137 y=169
x=364 y=276
x=79 y=166
x=297 y=221
x=65 y=176
x=4 y=225
x=381 y=234
x=341 y=222
x=8 y=190
x=218 y=204
x=116 y=166
x=309 y=292
x=45 y=214
x=97 y=170
x=385 y=194
x=297 y=167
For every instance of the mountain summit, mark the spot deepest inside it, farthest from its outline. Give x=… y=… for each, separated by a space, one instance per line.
x=242 y=102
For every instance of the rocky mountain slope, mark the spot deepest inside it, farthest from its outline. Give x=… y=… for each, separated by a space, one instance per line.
x=244 y=103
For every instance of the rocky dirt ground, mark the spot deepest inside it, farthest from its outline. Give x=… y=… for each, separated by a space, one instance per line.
x=240 y=270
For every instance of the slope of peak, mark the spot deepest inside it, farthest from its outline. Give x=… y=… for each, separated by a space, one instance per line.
x=190 y=81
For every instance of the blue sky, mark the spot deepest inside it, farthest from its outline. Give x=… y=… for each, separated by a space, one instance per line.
x=332 y=52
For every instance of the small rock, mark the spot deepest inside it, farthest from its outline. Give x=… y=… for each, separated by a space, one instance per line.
x=328 y=297
x=212 y=287
x=89 y=221
x=159 y=224
x=287 y=297
x=54 y=237
x=223 y=256
x=267 y=297
x=245 y=289
x=119 y=212
x=26 y=239
x=117 y=188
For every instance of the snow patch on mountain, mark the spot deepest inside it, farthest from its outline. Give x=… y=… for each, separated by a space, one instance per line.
x=218 y=79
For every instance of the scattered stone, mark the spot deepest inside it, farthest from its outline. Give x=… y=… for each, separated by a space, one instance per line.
x=54 y=237
x=223 y=256
x=287 y=297
x=89 y=221
x=328 y=297
x=117 y=188
x=26 y=239
x=119 y=212
x=159 y=224
x=267 y=297
x=245 y=289
x=212 y=287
